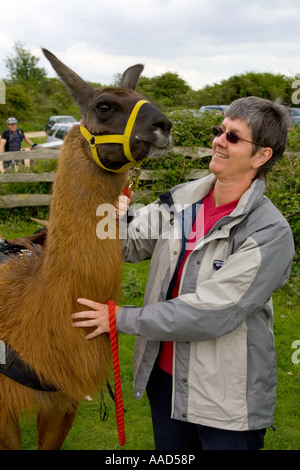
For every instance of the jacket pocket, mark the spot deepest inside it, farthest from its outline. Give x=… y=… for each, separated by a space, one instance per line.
x=218 y=376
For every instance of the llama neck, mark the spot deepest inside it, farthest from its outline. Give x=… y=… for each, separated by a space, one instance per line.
x=80 y=187
x=73 y=245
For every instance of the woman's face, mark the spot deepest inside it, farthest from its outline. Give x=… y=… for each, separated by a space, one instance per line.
x=233 y=162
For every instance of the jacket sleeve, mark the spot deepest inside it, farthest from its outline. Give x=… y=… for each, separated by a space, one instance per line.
x=244 y=284
x=140 y=236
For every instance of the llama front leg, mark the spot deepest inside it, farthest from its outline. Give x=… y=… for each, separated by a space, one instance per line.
x=53 y=428
x=10 y=435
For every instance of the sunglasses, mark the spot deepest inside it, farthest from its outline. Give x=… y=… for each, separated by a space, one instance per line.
x=230 y=136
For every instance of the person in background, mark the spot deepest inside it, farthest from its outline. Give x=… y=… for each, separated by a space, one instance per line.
x=11 y=140
x=204 y=348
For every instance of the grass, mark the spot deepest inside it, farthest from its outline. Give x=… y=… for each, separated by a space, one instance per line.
x=90 y=433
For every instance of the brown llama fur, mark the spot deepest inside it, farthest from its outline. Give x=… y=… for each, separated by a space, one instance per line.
x=39 y=292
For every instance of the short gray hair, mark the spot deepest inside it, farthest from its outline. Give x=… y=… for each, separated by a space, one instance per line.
x=269 y=123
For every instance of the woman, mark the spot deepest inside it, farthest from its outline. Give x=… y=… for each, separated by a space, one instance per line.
x=205 y=346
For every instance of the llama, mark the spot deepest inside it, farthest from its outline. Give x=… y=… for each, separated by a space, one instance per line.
x=38 y=292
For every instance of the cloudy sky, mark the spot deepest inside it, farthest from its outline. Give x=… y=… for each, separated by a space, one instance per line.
x=204 y=41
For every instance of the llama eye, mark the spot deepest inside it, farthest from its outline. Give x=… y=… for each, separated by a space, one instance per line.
x=103 y=108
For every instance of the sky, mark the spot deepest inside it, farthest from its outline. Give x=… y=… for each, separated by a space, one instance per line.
x=203 y=41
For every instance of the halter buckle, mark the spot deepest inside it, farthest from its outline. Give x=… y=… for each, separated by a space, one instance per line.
x=134 y=177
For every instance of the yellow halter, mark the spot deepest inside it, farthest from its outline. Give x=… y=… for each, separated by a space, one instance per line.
x=123 y=139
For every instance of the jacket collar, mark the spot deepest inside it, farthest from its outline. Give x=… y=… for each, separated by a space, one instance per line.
x=186 y=194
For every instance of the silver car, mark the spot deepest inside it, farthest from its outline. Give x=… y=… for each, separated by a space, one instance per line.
x=56 y=120
x=214 y=109
x=295 y=114
x=59 y=131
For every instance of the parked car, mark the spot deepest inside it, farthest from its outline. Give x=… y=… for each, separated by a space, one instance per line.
x=180 y=115
x=295 y=113
x=217 y=109
x=59 y=131
x=57 y=119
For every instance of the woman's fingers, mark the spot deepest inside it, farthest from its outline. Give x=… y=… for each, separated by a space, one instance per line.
x=97 y=318
x=87 y=314
x=90 y=303
x=98 y=331
x=122 y=204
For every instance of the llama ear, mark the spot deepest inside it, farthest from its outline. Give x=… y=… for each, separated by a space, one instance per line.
x=131 y=77
x=80 y=90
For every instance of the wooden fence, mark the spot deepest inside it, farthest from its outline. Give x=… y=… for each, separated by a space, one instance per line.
x=23 y=200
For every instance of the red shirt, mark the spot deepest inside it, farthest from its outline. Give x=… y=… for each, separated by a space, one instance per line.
x=206 y=218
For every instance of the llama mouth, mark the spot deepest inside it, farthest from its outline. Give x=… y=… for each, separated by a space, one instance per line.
x=161 y=140
x=157 y=152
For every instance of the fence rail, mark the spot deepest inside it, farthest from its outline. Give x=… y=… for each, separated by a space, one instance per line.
x=23 y=200
x=48 y=153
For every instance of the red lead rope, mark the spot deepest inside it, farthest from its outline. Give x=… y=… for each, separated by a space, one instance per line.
x=118 y=388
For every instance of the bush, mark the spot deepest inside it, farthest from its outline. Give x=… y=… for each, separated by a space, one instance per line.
x=283 y=190
x=293 y=142
x=193 y=129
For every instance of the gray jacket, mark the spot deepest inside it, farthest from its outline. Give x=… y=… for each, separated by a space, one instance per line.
x=224 y=360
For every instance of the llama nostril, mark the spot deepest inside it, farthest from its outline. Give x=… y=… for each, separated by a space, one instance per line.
x=163 y=123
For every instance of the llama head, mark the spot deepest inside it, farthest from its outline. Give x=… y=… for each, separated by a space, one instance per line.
x=108 y=113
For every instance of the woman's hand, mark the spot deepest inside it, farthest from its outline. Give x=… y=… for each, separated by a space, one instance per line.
x=97 y=317
x=122 y=203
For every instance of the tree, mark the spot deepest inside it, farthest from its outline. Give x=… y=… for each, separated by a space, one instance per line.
x=265 y=85
x=168 y=90
x=22 y=66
